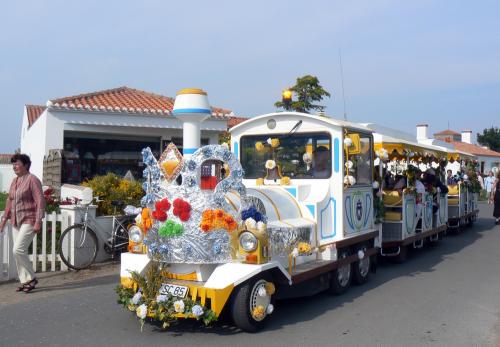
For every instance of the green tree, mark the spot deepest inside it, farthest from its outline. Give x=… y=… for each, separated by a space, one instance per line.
x=307 y=91
x=491 y=138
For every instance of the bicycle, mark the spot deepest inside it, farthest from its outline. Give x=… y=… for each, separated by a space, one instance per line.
x=85 y=240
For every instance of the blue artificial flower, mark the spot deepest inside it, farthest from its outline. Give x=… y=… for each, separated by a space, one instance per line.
x=153 y=248
x=217 y=248
x=258 y=216
x=164 y=249
x=197 y=310
x=207 y=151
x=191 y=165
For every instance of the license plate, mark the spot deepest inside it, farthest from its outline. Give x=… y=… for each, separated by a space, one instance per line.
x=174 y=290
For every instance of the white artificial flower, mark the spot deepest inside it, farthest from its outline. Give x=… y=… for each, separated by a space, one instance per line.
x=262 y=291
x=375 y=185
x=349 y=164
x=270 y=164
x=466 y=177
x=295 y=252
x=270 y=309
x=138 y=219
x=348 y=142
x=307 y=158
x=261 y=227
x=352 y=180
x=179 y=306
x=142 y=311
x=269 y=141
x=250 y=223
x=137 y=298
x=161 y=298
x=361 y=254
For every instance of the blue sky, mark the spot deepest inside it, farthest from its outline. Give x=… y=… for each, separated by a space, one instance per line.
x=404 y=62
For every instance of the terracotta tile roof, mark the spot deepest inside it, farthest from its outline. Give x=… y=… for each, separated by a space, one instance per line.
x=125 y=100
x=447 y=132
x=5 y=158
x=34 y=112
x=233 y=121
x=474 y=149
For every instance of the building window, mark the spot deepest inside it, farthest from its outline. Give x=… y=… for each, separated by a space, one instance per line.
x=85 y=157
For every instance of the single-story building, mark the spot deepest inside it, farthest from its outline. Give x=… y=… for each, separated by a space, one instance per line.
x=104 y=131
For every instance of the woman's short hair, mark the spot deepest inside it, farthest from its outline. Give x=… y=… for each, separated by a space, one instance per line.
x=23 y=158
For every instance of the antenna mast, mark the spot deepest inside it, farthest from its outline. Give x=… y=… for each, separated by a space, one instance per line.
x=342 y=80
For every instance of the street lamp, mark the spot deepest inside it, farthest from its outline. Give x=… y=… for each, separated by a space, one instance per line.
x=287 y=99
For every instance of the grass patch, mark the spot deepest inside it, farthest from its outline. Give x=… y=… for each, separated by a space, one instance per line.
x=3 y=200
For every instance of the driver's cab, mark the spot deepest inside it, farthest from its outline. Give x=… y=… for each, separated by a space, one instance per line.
x=307 y=158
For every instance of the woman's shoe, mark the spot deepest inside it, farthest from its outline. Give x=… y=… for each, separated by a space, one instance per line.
x=28 y=287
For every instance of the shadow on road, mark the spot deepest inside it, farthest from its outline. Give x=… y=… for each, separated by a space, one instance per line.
x=293 y=311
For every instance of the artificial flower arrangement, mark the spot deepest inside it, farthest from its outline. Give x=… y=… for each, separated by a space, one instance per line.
x=144 y=220
x=273 y=171
x=217 y=219
x=182 y=210
x=146 y=303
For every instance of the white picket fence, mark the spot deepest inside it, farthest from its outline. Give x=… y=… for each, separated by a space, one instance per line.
x=43 y=259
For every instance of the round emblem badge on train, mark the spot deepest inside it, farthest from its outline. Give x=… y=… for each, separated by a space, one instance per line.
x=294 y=205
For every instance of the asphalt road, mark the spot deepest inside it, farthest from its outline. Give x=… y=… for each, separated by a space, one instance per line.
x=448 y=295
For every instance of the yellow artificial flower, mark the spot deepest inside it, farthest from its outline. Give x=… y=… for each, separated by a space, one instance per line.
x=259 y=181
x=304 y=248
x=270 y=288
x=285 y=181
x=259 y=146
x=275 y=143
x=259 y=312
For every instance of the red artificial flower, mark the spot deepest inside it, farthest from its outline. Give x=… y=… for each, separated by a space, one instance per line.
x=178 y=203
x=184 y=216
x=163 y=205
x=159 y=215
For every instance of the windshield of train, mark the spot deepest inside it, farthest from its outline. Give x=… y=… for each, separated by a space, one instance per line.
x=298 y=155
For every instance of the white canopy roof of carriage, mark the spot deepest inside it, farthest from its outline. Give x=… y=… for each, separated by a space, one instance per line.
x=385 y=134
x=286 y=115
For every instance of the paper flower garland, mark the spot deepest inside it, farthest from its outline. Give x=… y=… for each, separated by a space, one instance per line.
x=182 y=209
x=217 y=219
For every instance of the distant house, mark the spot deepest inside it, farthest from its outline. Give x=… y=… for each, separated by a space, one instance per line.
x=104 y=131
x=487 y=158
x=447 y=135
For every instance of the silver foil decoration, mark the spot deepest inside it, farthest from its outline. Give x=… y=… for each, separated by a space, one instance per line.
x=283 y=239
x=193 y=246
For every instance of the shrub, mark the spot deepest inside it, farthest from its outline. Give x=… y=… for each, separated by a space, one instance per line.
x=112 y=187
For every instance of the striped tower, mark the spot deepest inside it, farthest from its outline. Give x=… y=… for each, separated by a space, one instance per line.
x=191 y=107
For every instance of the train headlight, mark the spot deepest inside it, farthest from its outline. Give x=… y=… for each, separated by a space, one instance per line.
x=135 y=234
x=248 y=241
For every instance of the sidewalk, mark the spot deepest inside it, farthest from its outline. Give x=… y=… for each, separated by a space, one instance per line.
x=54 y=283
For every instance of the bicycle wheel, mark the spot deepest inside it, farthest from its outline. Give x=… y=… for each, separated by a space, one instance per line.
x=120 y=238
x=77 y=247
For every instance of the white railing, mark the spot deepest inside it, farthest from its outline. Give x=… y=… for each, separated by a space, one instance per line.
x=44 y=256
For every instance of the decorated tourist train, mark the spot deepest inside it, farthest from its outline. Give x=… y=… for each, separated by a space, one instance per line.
x=286 y=212
x=410 y=215
x=290 y=207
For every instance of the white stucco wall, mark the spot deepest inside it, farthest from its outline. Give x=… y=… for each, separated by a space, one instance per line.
x=33 y=142
x=6 y=177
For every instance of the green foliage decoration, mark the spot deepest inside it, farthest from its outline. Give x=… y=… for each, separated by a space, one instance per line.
x=163 y=311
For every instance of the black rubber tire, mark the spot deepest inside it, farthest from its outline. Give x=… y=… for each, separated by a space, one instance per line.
x=336 y=287
x=240 y=307
x=119 y=243
x=90 y=237
x=402 y=256
x=357 y=276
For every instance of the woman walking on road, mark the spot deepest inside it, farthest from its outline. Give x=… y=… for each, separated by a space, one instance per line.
x=25 y=208
x=495 y=197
